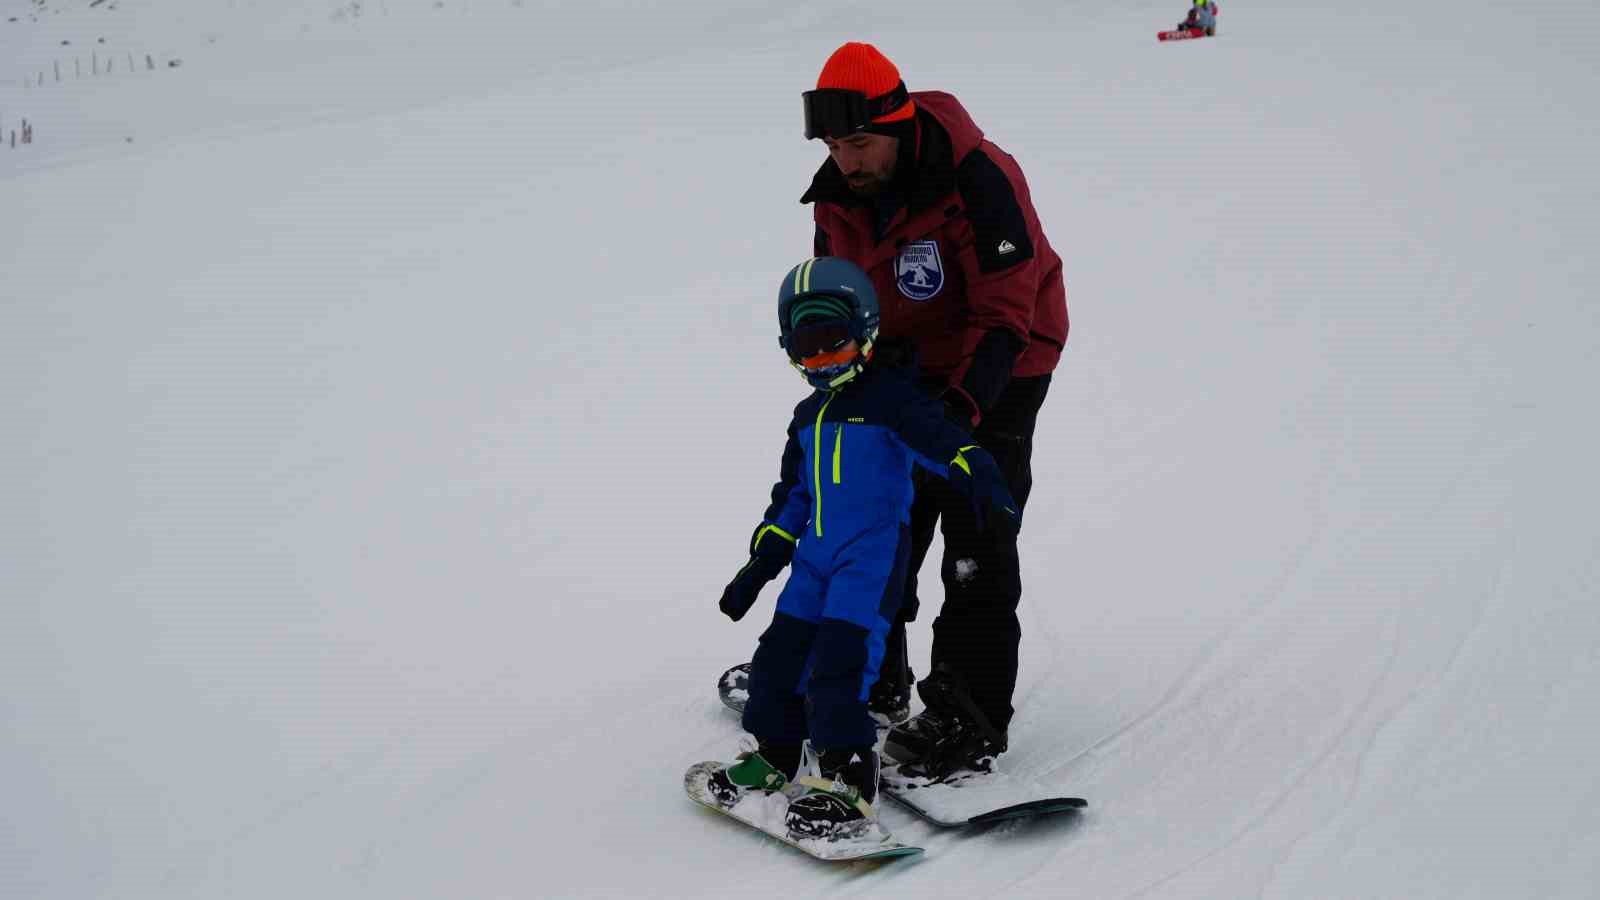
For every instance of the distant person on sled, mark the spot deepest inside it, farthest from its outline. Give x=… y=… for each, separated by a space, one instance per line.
x=1203 y=15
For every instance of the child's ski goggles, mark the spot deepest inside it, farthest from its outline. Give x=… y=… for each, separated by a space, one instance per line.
x=821 y=345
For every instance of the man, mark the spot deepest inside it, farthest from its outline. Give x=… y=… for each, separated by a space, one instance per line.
x=942 y=222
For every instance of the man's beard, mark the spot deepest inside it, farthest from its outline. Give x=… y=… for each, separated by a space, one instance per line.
x=869 y=185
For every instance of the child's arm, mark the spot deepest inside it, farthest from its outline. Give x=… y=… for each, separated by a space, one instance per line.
x=790 y=508
x=773 y=543
x=948 y=450
x=923 y=425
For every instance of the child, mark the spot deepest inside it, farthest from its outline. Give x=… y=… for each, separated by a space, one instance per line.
x=1203 y=15
x=841 y=513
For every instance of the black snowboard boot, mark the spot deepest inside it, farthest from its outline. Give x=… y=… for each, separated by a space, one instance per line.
x=952 y=739
x=910 y=740
x=889 y=702
x=766 y=768
x=838 y=804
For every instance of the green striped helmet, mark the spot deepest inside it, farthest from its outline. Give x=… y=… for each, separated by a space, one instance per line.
x=824 y=289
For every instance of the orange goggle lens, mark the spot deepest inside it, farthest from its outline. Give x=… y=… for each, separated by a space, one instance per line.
x=831 y=359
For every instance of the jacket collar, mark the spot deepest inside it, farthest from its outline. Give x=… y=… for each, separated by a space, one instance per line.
x=924 y=179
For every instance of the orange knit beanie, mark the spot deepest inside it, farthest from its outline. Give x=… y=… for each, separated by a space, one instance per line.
x=861 y=67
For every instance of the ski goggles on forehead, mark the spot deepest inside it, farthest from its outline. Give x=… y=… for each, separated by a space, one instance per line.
x=837 y=113
x=818 y=340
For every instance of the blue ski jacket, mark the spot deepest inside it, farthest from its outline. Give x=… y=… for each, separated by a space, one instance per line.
x=847 y=465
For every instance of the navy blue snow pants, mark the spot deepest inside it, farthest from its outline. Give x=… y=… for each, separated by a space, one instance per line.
x=820 y=656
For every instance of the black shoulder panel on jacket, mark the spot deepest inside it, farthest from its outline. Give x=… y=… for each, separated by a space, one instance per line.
x=1000 y=229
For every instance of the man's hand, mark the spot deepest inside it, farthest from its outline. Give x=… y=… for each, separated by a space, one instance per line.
x=960 y=408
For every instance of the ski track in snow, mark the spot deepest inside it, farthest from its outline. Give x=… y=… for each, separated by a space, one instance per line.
x=1417 y=695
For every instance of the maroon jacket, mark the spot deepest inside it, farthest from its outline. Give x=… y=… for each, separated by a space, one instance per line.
x=963 y=255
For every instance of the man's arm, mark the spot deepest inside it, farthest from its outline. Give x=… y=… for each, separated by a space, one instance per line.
x=1002 y=278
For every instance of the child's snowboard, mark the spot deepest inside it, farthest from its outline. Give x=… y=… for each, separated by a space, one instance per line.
x=765 y=813
x=978 y=799
x=1181 y=34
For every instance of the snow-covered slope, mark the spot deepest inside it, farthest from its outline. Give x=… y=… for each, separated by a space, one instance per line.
x=390 y=388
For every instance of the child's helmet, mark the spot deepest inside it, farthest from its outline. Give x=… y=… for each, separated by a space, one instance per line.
x=824 y=304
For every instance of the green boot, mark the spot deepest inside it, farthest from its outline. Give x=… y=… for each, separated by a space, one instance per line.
x=754 y=770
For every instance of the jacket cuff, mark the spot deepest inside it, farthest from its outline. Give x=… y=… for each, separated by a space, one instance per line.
x=962 y=409
x=991 y=368
x=770 y=540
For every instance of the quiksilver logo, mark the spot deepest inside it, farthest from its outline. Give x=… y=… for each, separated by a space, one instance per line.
x=1007 y=247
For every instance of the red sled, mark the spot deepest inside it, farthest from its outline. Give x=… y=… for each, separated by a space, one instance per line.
x=1182 y=34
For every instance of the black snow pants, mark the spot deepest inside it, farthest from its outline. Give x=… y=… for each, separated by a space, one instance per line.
x=976 y=632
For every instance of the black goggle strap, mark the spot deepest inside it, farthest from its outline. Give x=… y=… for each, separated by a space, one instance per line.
x=884 y=104
x=836 y=112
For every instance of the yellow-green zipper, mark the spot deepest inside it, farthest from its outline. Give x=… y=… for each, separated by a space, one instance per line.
x=838 y=438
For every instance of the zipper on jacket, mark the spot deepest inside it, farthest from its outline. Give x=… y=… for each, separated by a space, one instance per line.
x=816 y=467
x=838 y=439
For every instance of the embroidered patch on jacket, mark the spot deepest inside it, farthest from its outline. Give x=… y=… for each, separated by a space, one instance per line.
x=918 y=271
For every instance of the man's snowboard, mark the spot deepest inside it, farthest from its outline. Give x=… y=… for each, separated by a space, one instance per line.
x=734 y=687
x=765 y=813
x=977 y=799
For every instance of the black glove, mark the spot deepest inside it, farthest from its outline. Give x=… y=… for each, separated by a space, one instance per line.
x=987 y=376
x=960 y=408
x=770 y=550
x=977 y=476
